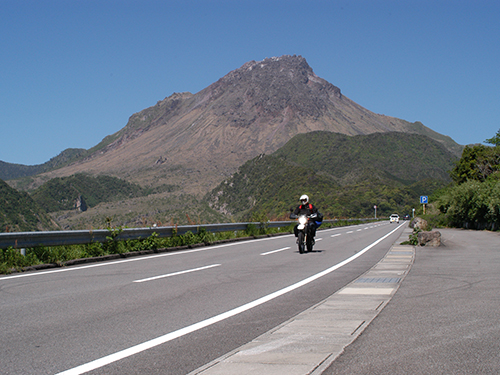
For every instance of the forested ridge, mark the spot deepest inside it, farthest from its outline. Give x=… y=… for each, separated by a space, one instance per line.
x=344 y=176
x=20 y=213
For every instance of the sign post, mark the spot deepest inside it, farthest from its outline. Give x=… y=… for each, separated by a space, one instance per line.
x=375 y=207
x=424 y=199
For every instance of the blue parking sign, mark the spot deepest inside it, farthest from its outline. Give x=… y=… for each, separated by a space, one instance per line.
x=424 y=199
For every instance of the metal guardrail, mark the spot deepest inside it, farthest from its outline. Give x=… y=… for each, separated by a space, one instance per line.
x=76 y=237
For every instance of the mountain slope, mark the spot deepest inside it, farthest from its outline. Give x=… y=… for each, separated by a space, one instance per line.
x=18 y=212
x=399 y=156
x=9 y=171
x=346 y=176
x=59 y=194
x=195 y=141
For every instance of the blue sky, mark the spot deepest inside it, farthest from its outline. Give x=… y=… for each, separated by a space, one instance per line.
x=74 y=71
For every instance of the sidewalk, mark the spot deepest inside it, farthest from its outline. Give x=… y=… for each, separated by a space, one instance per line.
x=311 y=341
x=445 y=317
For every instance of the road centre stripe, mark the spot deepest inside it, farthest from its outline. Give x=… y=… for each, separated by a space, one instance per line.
x=176 y=273
x=205 y=323
x=275 y=251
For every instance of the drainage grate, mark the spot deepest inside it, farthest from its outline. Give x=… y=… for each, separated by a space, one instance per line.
x=378 y=280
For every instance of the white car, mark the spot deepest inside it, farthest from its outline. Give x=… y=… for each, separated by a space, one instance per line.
x=394 y=218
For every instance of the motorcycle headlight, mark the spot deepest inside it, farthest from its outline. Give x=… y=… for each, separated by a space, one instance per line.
x=302 y=220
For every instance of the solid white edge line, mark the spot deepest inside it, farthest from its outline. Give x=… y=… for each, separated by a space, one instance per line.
x=176 y=273
x=205 y=323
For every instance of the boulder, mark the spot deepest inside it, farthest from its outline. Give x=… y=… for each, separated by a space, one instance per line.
x=432 y=238
x=419 y=223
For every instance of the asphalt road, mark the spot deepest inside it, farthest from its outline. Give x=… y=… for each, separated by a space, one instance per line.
x=173 y=312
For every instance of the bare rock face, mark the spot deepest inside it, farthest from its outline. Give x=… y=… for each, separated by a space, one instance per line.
x=432 y=238
x=80 y=204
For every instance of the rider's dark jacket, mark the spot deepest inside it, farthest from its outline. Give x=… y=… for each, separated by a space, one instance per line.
x=305 y=209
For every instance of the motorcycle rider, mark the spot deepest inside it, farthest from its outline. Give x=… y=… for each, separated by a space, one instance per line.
x=306 y=208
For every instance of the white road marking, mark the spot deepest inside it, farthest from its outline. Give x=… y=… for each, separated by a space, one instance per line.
x=106 y=360
x=176 y=273
x=275 y=251
x=138 y=259
x=335 y=235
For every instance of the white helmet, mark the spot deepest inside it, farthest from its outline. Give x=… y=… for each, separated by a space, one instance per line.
x=304 y=198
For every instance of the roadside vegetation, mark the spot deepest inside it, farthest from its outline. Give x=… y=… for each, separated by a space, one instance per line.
x=472 y=200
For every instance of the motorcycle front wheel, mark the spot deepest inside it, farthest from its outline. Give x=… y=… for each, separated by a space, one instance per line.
x=309 y=243
x=300 y=240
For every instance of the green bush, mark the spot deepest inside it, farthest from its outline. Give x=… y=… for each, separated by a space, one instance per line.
x=472 y=204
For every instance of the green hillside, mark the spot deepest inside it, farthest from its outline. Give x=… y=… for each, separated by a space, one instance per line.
x=60 y=194
x=399 y=156
x=19 y=213
x=10 y=171
x=344 y=176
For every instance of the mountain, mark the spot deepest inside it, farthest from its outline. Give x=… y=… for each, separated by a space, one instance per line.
x=345 y=176
x=196 y=140
x=18 y=212
x=10 y=171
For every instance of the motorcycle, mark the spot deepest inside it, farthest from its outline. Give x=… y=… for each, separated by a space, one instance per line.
x=305 y=239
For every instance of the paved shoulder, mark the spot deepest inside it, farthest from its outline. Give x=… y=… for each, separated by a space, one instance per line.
x=444 y=318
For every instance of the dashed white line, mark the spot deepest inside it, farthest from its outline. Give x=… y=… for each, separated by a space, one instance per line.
x=275 y=251
x=176 y=273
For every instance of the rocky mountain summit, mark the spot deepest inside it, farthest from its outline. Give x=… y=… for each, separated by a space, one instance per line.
x=196 y=140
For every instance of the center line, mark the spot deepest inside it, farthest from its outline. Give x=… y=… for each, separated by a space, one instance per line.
x=176 y=273
x=275 y=251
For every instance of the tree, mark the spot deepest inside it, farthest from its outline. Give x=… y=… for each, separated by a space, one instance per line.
x=495 y=140
x=477 y=163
